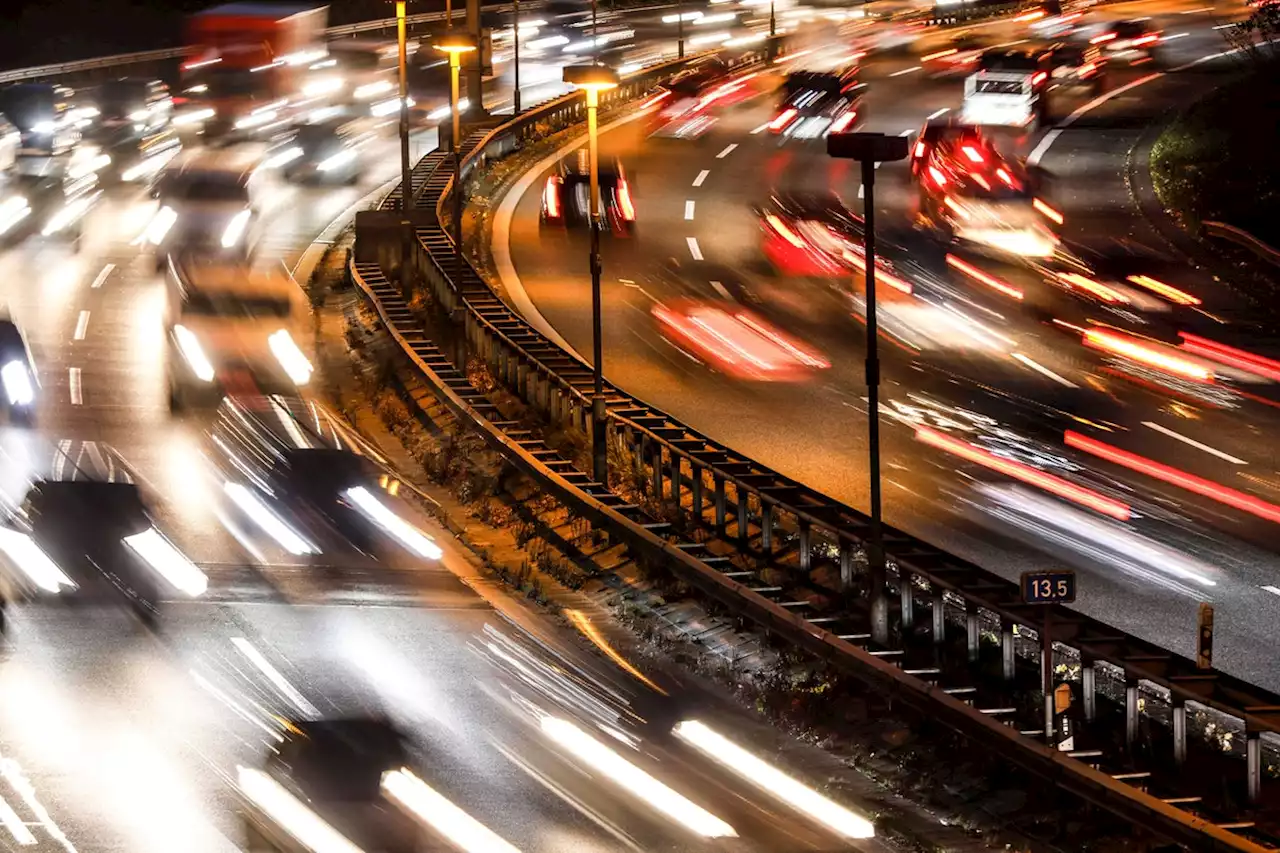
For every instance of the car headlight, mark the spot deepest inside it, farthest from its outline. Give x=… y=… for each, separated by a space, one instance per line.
x=235 y=229
x=139 y=115
x=44 y=127
x=17 y=383
x=12 y=211
x=168 y=562
x=160 y=225
x=32 y=561
x=337 y=161
x=295 y=364
x=191 y=350
x=408 y=535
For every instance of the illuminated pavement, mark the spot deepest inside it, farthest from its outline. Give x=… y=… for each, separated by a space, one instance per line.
x=697 y=237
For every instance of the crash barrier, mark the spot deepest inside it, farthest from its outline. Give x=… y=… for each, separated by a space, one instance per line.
x=735 y=521
x=962 y=13
x=1242 y=238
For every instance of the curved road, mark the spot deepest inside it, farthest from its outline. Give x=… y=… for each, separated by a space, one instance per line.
x=698 y=238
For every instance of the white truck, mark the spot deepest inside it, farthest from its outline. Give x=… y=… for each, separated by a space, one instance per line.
x=1007 y=90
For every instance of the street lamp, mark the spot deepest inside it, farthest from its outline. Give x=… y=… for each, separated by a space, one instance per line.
x=594 y=79
x=456 y=44
x=515 y=43
x=871 y=149
x=406 y=188
x=773 y=21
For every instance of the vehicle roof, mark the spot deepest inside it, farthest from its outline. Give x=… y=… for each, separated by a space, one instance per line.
x=281 y=423
x=211 y=275
x=577 y=165
x=216 y=161
x=76 y=461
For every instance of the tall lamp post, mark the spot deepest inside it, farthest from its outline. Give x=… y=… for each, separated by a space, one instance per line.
x=456 y=44
x=594 y=79
x=870 y=149
x=773 y=21
x=515 y=43
x=406 y=187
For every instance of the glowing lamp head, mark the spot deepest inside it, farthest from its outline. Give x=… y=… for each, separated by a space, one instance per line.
x=455 y=44
x=597 y=78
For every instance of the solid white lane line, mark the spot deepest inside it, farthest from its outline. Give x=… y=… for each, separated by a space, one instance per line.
x=1212 y=451
x=1175 y=36
x=82 y=326
x=939 y=113
x=693 y=248
x=1042 y=370
x=1049 y=137
x=720 y=289
x=727 y=151
x=73 y=376
x=908 y=132
x=910 y=70
x=702 y=176
x=17 y=828
x=688 y=209
x=1271 y=589
x=102 y=276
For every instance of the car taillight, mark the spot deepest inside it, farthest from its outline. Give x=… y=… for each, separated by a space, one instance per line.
x=980 y=181
x=938 y=178
x=1087 y=69
x=783 y=118
x=839 y=125
x=920 y=149
x=1105 y=37
x=1138 y=42
x=956 y=206
x=784 y=232
x=1049 y=212
x=624 y=202
x=1039 y=78
x=972 y=153
x=1003 y=174
x=551 y=198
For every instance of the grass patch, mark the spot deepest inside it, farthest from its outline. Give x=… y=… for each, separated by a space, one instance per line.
x=1219 y=161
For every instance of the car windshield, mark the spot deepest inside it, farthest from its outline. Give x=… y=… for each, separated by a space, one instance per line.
x=27 y=106
x=316 y=136
x=1018 y=62
x=229 y=82
x=118 y=98
x=1130 y=29
x=114 y=509
x=344 y=762
x=358 y=60
x=1065 y=56
x=811 y=82
x=199 y=304
x=204 y=186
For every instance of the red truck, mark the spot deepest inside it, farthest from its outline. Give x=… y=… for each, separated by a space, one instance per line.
x=245 y=62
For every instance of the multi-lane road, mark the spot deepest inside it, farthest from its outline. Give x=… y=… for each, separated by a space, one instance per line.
x=112 y=738
x=698 y=237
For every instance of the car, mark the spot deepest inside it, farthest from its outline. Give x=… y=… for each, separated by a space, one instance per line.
x=970 y=194
x=232 y=329
x=935 y=131
x=130 y=108
x=295 y=480
x=566 y=196
x=807 y=234
x=816 y=103
x=336 y=777
x=83 y=532
x=683 y=106
x=140 y=160
x=208 y=204
x=1077 y=66
x=45 y=115
x=17 y=373
x=322 y=152
x=736 y=342
x=958 y=57
x=1136 y=41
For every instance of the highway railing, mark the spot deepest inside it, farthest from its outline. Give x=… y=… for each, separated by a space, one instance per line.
x=771 y=549
x=1242 y=238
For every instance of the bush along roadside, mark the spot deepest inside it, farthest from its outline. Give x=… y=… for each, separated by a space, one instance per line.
x=930 y=789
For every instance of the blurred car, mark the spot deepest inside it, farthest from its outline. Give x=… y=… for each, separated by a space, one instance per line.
x=566 y=196
x=83 y=533
x=18 y=373
x=293 y=479
x=1007 y=89
x=935 y=131
x=45 y=116
x=959 y=57
x=141 y=159
x=328 y=780
x=1077 y=66
x=971 y=194
x=130 y=108
x=731 y=339
x=815 y=103
x=684 y=105
x=322 y=152
x=1135 y=41
x=233 y=330
x=208 y=204
x=60 y=203
x=807 y=234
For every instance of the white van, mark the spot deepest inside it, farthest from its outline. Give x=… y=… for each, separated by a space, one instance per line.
x=209 y=205
x=234 y=331
x=1007 y=90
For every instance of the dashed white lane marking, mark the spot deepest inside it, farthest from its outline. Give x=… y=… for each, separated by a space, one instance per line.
x=73 y=376
x=939 y=113
x=102 y=276
x=688 y=209
x=862 y=191
x=727 y=151
x=82 y=326
x=761 y=129
x=702 y=176
x=1212 y=451
x=720 y=289
x=1271 y=589
x=693 y=248
x=910 y=70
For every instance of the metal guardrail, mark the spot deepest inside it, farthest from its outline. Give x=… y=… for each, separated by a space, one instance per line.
x=758 y=522
x=1242 y=238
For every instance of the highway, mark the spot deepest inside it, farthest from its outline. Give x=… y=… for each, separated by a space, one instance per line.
x=698 y=238
x=112 y=738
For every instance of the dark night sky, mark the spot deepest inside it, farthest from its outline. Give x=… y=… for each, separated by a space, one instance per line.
x=34 y=33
